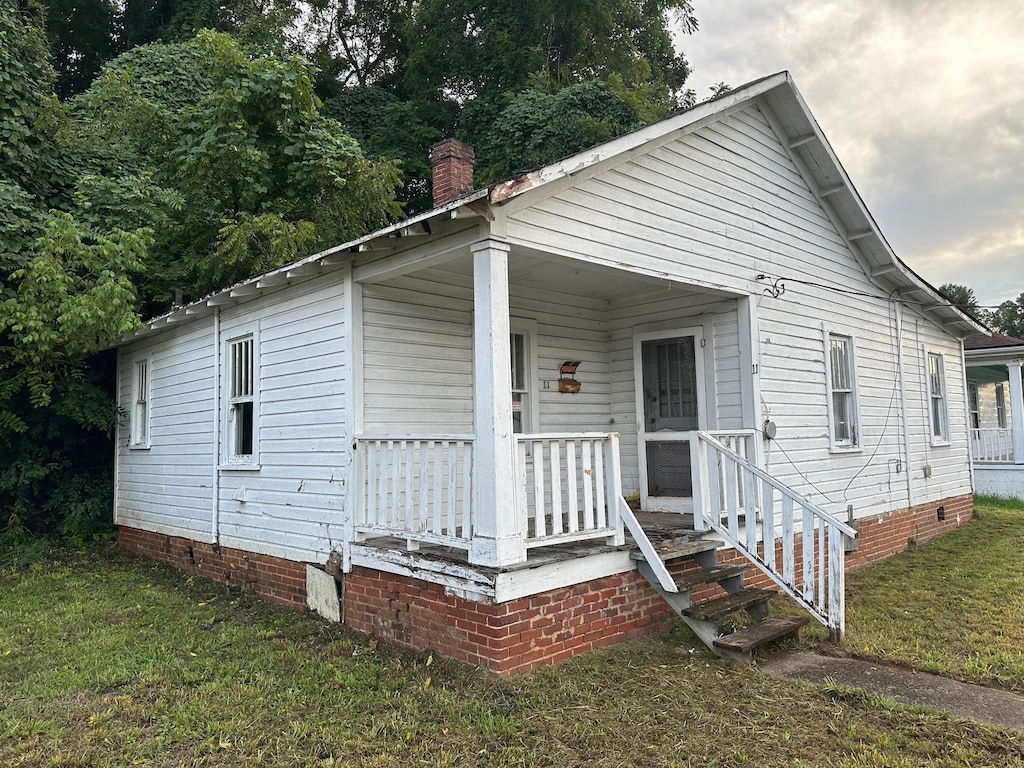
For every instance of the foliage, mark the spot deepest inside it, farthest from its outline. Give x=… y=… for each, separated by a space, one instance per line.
x=964 y=299
x=1008 y=318
x=539 y=127
x=262 y=175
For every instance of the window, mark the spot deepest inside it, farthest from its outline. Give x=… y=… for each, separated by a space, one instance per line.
x=1001 y=405
x=241 y=428
x=520 y=383
x=937 y=413
x=140 y=405
x=842 y=393
x=972 y=404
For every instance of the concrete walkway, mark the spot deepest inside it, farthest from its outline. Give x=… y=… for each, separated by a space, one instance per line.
x=963 y=700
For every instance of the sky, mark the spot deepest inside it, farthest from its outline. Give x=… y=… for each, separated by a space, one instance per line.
x=923 y=103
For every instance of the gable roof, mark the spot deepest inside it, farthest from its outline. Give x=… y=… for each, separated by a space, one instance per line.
x=995 y=341
x=790 y=118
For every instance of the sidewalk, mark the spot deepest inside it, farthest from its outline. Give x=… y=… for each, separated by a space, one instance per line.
x=963 y=700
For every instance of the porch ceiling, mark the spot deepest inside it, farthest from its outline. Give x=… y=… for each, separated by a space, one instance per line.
x=538 y=270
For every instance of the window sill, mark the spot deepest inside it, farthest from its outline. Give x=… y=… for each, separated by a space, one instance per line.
x=840 y=450
x=941 y=443
x=239 y=467
x=139 y=447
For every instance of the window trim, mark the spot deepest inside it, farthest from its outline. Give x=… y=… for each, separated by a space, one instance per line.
x=230 y=459
x=855 y=443
x=141 y=439
x=974 y=405
x=531 y=412
x=942 y=396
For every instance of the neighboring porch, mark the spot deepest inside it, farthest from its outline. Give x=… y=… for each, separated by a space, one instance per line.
x=537 y=472
x=996 y=413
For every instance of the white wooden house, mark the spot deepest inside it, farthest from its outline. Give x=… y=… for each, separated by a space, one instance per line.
x=750 y=356
x=995 y=412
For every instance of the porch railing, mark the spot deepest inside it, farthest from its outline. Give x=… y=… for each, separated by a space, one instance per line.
x=566 y=487
x=418 y=488
x=797 y=544
x=992 y=444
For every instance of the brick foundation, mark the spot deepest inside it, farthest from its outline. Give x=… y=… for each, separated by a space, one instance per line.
x=522 y=634
x=272 y=578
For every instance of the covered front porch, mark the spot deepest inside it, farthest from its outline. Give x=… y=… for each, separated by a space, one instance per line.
x=569 y=390
x=996 y=414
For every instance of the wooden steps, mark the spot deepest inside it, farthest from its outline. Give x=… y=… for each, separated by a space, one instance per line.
x=756 y=635
x=704 y=617
x=720 y=607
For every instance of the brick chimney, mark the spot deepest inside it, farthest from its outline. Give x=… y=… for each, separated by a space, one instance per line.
x=452 y=164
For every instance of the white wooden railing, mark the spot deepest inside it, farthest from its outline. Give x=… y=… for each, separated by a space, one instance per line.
x=992 y=444
x=418 y=488
x=566 y=487
x=797 y=544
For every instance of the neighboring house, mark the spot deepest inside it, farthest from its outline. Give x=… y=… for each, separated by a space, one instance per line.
x=701 y=315
x=995 y=412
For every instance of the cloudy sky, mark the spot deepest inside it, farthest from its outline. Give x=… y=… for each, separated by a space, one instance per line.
x=923 y=102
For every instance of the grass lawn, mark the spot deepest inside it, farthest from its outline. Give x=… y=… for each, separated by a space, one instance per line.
x=110 y=660
x=955 y=606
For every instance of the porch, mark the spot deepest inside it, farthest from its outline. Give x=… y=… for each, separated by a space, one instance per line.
x=996 y=414
x=490 y=339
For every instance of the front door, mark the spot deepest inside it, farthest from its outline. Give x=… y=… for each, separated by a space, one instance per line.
x=670 y=405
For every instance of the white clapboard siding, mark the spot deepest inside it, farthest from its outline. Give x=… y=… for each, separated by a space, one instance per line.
x=720 y=206
x=168 y=487
x=294 y=505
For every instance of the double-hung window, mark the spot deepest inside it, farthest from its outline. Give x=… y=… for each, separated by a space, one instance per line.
x=938 y=414
x=1001 y=405
x=242 y=391
x=140 y=405
x=521 y=404
x=973 y=404
x=844 y=427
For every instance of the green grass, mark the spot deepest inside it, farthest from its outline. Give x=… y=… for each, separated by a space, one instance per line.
x=110 y=660
x=954 y=607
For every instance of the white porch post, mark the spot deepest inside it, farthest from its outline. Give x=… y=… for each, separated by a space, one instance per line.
x=497 y=539
x=1016 y=410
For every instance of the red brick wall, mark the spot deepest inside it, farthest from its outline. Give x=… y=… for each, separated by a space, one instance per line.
x=272 y=578
x=521 y=634
x=451 y=162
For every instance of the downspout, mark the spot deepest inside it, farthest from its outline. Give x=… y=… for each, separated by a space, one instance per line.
x=905 y=417
x=215 y=522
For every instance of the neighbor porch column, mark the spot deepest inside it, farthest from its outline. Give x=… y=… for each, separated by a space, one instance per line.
x=497 y=539
x=1016 y=410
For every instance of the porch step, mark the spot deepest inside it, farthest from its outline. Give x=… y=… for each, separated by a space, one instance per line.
x=713 y=610
x=677 y=549
x=756 y=635
x=690 y=579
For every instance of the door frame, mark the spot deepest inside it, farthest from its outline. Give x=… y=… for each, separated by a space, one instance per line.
x=701 y=331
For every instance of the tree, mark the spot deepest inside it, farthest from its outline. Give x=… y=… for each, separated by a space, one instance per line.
x=261 y=176
x=1008 y=318
x=964 y=299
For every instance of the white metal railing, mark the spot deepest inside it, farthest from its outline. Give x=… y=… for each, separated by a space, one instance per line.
x=414 y=487
x=797 y=544
x=566 y=487
x=992 y=444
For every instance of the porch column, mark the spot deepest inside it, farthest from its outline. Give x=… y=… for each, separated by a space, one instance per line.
x=497 y=539
x=1016 y=410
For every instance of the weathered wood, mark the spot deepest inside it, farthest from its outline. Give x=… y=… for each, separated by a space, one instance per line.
x=713 y=610
x=715 y=573
x=678 y=549
x=757 y=635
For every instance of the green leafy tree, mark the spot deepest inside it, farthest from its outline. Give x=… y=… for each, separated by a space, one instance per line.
x=1008 y=318
x=964 y=299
